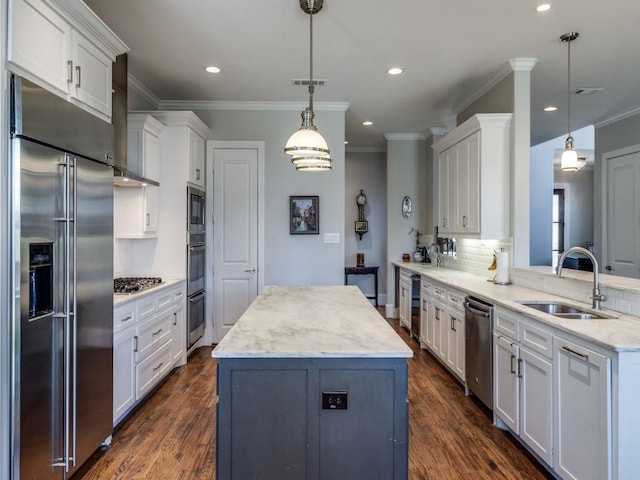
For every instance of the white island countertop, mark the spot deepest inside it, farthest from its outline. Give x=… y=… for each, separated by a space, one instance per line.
x=312 y=322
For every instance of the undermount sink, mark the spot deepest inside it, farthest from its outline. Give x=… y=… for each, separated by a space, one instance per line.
x=562 y=310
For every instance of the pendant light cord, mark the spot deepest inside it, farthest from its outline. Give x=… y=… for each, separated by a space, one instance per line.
x=311 y=5
x=569 y=86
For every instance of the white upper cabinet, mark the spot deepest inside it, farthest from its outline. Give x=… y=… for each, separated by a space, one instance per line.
x=65 y=48
x=473 y=178
x=195 y=155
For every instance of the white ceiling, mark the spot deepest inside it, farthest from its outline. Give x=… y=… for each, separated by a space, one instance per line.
x=449 y=49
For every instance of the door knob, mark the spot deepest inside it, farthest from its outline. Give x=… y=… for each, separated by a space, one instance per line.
x=253 y=270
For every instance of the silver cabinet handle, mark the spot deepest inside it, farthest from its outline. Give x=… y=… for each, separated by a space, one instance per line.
x=175 y=318
x=135 y=339
x=464 y=221
x=253 y=270
x=148 y=219
x=513 y=369
x=581 y=355
x=69 y=71
x=156 y=332
x=78 y=72
x=197 y=174
x=158 y=367
x=519 y=368
x=127 y=319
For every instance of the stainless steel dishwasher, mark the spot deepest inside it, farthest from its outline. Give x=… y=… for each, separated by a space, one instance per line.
x=478 y=350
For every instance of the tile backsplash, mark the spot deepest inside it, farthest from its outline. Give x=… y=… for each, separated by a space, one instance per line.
x=475 y=256
x=134 y=257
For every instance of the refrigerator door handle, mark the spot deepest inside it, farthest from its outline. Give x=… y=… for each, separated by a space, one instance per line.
x=74 y=305
x=67 y=310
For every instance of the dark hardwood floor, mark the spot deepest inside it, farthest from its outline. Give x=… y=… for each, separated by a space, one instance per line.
x=172 y=436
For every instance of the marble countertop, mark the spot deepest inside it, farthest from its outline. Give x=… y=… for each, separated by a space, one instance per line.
x=312 y=322
x=120 y=299
x=619 y=332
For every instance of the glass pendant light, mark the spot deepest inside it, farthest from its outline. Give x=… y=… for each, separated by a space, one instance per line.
x=569 y=161
x=309 y=149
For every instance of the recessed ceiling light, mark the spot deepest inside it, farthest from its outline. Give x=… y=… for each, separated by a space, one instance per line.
x=212 y=69
x=550 y=108
x=367 y=123
x=346 y=142
x=543 y=7
x=395 y=71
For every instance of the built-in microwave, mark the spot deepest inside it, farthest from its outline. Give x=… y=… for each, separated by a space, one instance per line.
x=195 y=209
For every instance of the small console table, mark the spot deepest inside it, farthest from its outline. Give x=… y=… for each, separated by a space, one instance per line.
x=363 y=271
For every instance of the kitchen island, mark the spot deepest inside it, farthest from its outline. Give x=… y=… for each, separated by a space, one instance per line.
x=312 y=383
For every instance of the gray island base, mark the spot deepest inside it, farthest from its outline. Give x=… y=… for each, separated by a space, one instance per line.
x=312 y=384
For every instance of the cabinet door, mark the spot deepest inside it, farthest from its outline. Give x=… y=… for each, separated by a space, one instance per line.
x=505 y=382
x=39 y=43
x=124 y=382
x=404 y=305
x=196 y=154
x=151 y=218
x=91 y=85
x=440 y=330
x=426 y=327
x=455 y=342
x=582 y=410
x=468 y=186
x=178 y=330
x=536 y=403
x=446 y=195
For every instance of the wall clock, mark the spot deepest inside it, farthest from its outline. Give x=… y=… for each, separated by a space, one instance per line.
x=407 y=205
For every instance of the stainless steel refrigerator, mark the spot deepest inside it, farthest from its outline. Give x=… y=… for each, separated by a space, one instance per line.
x=63 y=253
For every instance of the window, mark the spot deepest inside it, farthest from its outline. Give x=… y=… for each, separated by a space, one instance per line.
x=557 y=226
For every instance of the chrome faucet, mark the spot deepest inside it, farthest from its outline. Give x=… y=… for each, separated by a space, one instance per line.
x=438 y=255
x=597 y=296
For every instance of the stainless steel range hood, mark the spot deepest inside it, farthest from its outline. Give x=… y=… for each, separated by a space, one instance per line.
x=122 y=176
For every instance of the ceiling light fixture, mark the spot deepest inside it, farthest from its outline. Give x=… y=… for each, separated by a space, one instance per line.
x=309 y=149
x=569 y=161
x=550 y=108
x=367 y=123
x=543 y=7
x=395 y=71
x=212 y=69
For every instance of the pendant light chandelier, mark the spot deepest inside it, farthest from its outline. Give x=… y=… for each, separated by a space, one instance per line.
x=308 y=149
x=570 y=162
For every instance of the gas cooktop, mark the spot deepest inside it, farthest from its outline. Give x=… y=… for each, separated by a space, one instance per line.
x=128 y=285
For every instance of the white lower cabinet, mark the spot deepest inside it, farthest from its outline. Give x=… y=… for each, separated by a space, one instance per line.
x=523 y=381
x=582 y=406
x=149 y=340
x=124 y=372
x=404 y=302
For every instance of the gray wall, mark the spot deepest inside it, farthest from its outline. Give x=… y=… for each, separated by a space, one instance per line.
x=367 y=171
x=579 y=206
x=293 y=259
x=499 y=99
x=613 y=136
x=406 y=175
x=541 y=206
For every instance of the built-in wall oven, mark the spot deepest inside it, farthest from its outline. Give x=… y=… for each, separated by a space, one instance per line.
x=196 y=265
x=195 y=209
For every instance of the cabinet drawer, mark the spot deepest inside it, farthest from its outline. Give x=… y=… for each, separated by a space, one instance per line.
x=178 y=294
x=507 y=323
x=146 y=306
x=536 y=339
x=455 y=300
x=153 y=333
x=425 y=287
x=124 y=317
x=150 y=371
x=164 y=299
x=439 y=292
x=405 y=276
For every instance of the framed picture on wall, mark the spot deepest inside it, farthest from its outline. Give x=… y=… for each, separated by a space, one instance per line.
x=304 y=215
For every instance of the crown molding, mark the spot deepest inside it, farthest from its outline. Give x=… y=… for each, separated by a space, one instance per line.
x=216 y=105
x=365 y=149
x=404 y=136
x=513 y=65
x=617 y=117
x=134 y=85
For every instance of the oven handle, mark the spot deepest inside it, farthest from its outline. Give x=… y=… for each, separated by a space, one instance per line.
x=196 y=297
x=196 y=246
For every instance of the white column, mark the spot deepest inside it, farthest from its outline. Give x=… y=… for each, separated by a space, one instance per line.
x=520 y=158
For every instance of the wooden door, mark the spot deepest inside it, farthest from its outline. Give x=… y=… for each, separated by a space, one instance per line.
x=623 y=215
x=236 y=238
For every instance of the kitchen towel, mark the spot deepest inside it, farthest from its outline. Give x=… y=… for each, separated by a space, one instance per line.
x=502 y=268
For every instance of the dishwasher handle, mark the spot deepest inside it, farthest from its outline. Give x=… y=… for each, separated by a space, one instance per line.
x=475 y=311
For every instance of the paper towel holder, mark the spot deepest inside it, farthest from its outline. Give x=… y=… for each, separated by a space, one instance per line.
x=507 y=282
